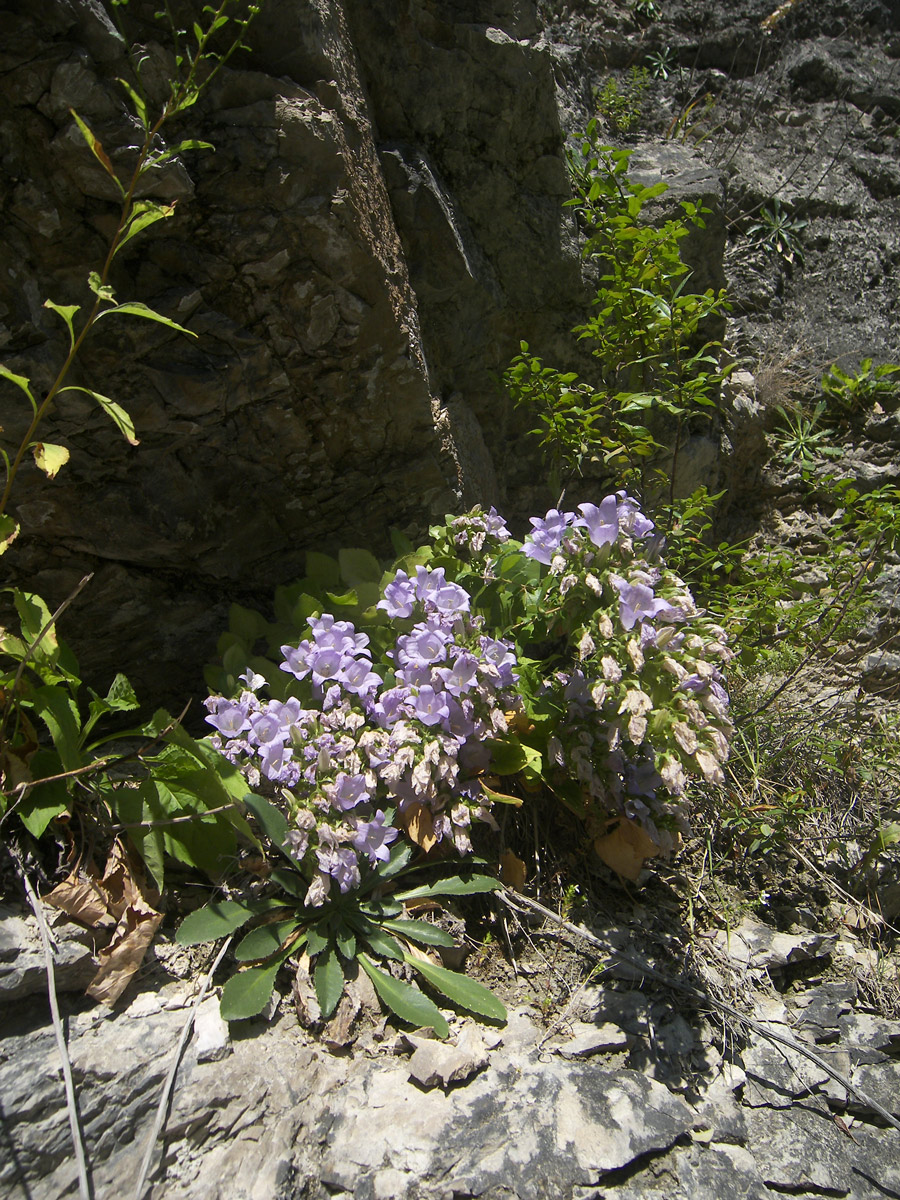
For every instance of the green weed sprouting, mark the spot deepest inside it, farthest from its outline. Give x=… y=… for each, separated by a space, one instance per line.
x=779 y=232
x=621 y=103
x=656 y=372
x=851 y=393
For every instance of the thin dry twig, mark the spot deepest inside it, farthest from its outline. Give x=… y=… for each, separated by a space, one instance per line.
x=516 y=899
x=84 y=1183
x=166 y=1096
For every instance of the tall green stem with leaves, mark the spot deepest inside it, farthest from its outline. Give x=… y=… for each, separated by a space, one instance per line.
x=196 y=67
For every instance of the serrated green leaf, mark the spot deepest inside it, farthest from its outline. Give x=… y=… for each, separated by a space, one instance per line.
x=456 y=885
x=316 y=941
x=114 y=411
x=398 y=861
x=329 y=980
x=247 y=993
x=47 y=801
x=121 y=695
x=466 y=992
x=35 y=622
x=406 y=1001
x=49 y=458
x=344 y=600
x=346 y=943
x=137 y=808
x=247 y=624
x=134 y=308
x=267 y=939
x=292 y=882
x=67 y=312
x=220 y=918
x=422 y=932
x=382 y=944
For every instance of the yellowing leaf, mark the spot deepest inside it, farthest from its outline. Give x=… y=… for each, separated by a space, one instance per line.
x=9 y=531
x=50 y=458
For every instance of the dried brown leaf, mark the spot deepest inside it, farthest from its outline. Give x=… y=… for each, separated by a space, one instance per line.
x=512 y=870
x=417 y=822
x=626 y=848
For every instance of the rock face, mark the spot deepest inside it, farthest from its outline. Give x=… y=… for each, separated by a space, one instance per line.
x=321 y=402
x=626 y=1095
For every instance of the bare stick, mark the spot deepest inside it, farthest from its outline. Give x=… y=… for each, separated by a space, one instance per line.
x=516 y=899
x=169 y=1084
x=84 y=1185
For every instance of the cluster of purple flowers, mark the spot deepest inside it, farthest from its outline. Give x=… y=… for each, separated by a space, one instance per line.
x=369 y=742
x=645 y=706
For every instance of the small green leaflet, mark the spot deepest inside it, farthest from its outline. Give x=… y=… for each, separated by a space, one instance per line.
x=137 y=100
x=144 y=214
x=49 y=458
x=220 y=918
x=114 y=411
x=67 y=312
x=21 y=381
x=97 y=150
x=135 y=309
x=406 y=1001
x=104 y=290
x=466 y=992
x=190 y=144
x=454 y=886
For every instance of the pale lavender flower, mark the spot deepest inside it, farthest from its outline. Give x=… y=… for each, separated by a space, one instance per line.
x=636 y=601
x=601 y=522
x=399 y=597
x=373 y=838
x=341 y=865
x=347 y=791
x=358 y=677
x=431 y=707
x=544 y=539
x=462 y=676
x=229 y=718
x=631 y=520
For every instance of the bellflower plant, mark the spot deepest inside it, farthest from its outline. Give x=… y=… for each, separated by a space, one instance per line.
x=376 y=749
x=622 y=674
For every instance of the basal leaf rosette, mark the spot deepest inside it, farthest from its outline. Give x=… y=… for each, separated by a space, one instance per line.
x=371 y=749
x=637 y=695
